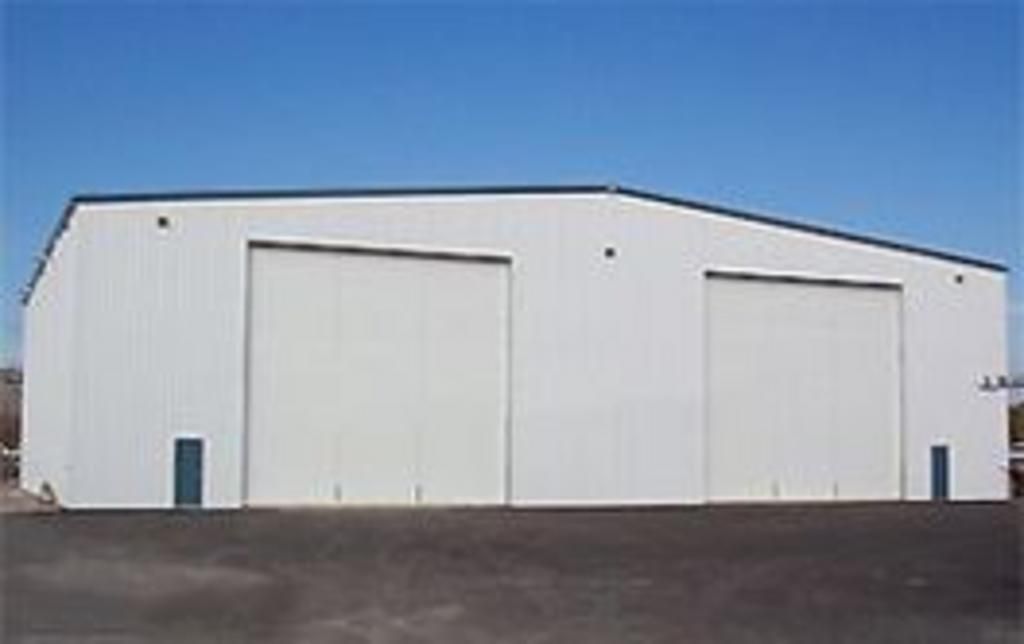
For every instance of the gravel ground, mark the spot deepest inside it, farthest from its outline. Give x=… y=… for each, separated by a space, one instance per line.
x=852 y=573
x=13 y=499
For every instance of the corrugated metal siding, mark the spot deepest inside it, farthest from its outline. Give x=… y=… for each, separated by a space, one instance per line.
x=51 y=377
x=606 y=352
x=165 y=322
x=953 y=334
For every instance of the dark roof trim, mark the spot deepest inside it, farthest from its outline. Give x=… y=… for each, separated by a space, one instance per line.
x=342 y=193
x=51 y=243
x=327 y=193
x=813 y=229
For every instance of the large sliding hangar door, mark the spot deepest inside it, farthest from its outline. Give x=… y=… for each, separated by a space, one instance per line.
x=376 y=377
x=804 y=385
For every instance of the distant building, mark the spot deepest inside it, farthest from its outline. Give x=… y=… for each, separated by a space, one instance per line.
x=524 y=346
x=10 y=407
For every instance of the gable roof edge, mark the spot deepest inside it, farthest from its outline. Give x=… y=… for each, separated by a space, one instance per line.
x=496 y=190
x=813 y=229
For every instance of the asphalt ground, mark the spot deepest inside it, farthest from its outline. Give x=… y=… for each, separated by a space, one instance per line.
x=851 y=573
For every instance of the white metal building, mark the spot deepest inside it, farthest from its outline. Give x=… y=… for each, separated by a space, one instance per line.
x=525 y=346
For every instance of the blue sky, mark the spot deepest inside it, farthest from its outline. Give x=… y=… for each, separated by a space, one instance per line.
x=902 y=120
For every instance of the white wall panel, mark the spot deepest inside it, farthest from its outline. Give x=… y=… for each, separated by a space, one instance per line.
x=954 y=332
x=49 y=358
x=607 y=390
